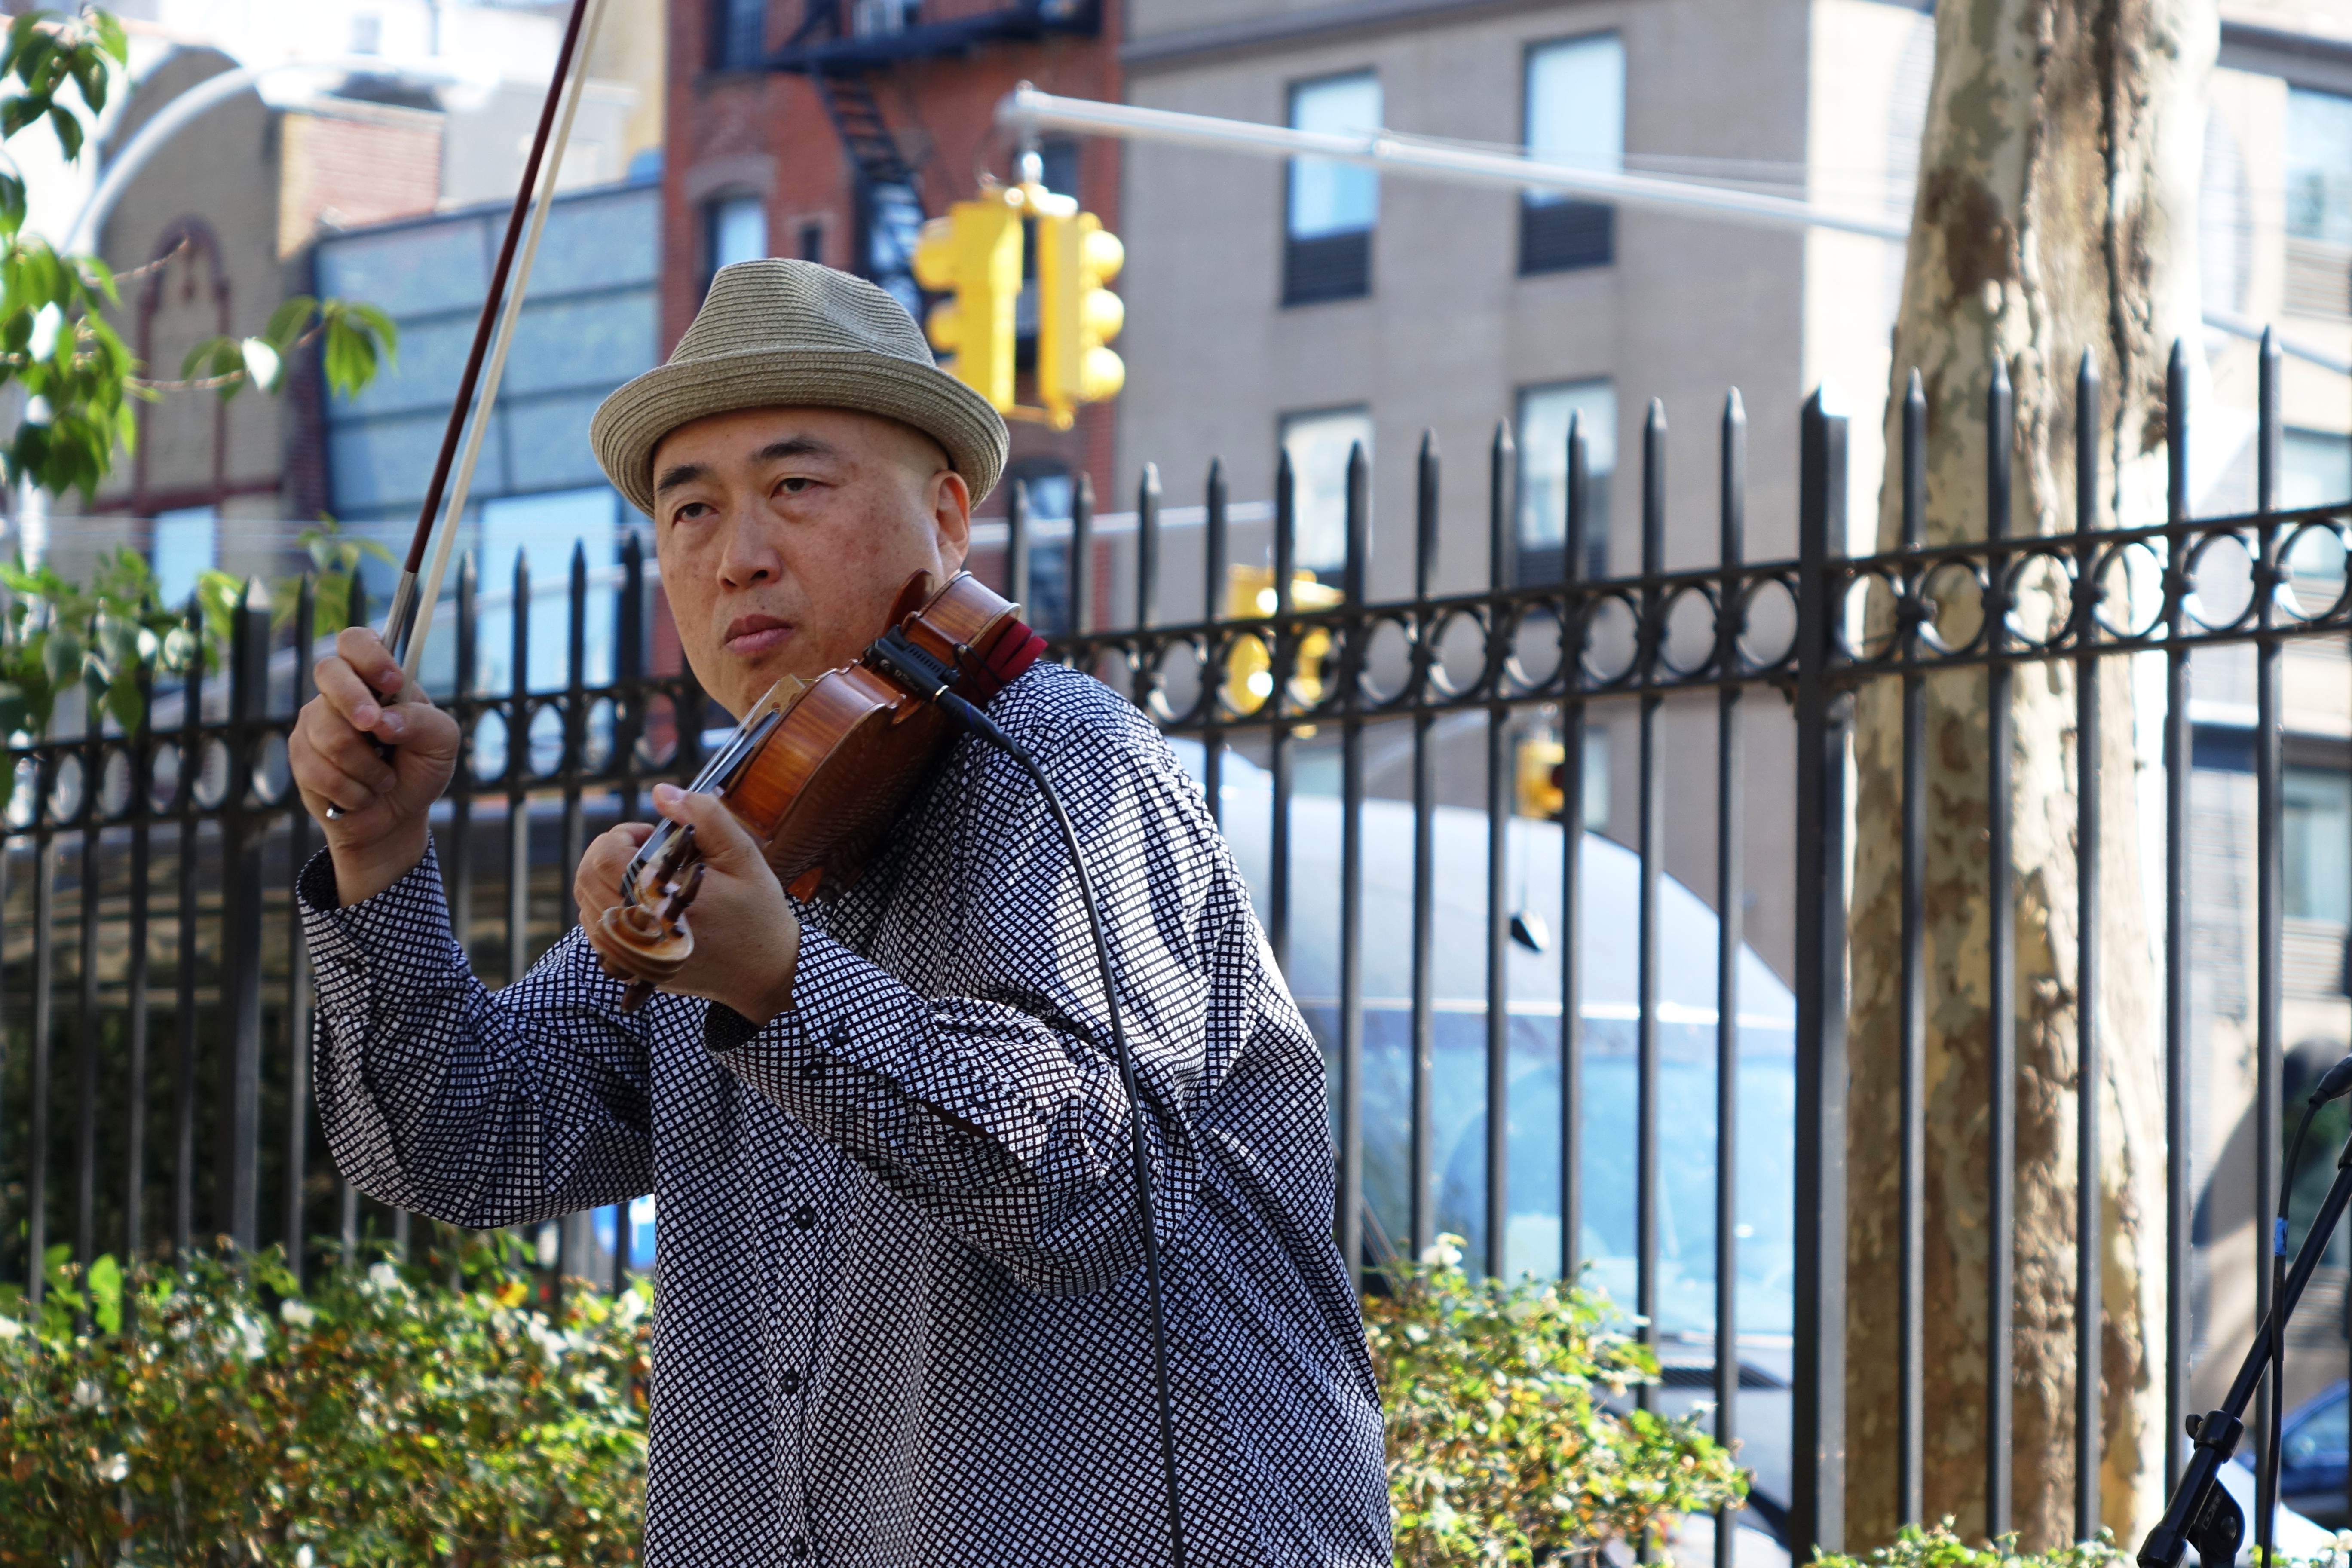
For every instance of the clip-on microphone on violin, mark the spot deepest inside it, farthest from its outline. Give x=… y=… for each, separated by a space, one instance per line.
x=2202 y=1512
x=900 y=658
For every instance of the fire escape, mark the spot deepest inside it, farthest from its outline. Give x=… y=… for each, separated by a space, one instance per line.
x=841 y=46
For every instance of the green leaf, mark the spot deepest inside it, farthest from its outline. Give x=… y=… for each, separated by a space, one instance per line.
x=32 y=54
x=349 y=359
x=213 y=356
x=68 y=129
x=24 y=28
x=111 y=37
x=286 y=322
x=106 y=1293
x=89 y=74
x=125 y=701
x=62 y=656
x=376 y=321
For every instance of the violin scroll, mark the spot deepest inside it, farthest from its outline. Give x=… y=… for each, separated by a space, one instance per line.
x=819 y=769
x=647 y=947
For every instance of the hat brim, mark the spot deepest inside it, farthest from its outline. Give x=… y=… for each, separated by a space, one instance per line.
x=632 y=422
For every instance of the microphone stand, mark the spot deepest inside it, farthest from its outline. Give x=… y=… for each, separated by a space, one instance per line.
x=2202 y=1513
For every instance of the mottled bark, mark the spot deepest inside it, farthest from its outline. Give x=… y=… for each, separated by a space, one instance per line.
x=2055 y=215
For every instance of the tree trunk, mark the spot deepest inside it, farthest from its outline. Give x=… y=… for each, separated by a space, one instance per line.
x=2055 y=216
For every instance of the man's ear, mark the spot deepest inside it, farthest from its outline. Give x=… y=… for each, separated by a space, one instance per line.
x=951 y=506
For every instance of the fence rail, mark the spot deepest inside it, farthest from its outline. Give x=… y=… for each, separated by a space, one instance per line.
x=166 y=857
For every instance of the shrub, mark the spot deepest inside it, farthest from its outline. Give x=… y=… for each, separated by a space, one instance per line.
x=1501 y=1446
x=216 y=1413
x=370 y=1421
x=1916 y=1546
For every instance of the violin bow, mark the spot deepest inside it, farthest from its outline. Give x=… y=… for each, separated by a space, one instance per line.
x=409 y=619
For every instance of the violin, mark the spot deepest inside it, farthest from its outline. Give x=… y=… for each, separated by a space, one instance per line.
x=818 y=770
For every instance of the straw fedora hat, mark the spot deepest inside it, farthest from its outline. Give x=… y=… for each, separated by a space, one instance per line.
x=781 y=333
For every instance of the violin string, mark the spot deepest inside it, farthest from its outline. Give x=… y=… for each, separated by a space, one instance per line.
x=670 y=837
x=550 y=169
x=400 y=616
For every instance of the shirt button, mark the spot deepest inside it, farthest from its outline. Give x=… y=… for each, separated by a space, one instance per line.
x=791 y=1381
x=800 y=1547
x=815 y=1069
x=804 y=1217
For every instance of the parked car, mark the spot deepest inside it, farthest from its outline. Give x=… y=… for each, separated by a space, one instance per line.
x=2312 y=1458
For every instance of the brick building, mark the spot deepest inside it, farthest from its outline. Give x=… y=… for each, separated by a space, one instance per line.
x=829 y=129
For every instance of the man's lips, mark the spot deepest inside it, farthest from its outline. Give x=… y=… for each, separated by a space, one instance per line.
x=750 y=634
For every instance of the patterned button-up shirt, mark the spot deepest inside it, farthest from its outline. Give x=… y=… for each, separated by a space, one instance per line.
x=902 y=1318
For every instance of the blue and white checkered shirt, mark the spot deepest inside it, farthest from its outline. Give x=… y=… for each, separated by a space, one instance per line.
x=902 y=1315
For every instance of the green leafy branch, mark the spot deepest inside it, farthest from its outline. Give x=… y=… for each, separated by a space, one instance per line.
x=359 y=340
x=335 y=558
x=55 y=635
x=54 y=340
x=115 y=635
x=1502 y=1443
x=78 y=379
x=45 y=52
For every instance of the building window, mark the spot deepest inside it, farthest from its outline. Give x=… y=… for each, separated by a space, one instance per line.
x=1333 y=206
x=2316 y=471
x=2318 y=280
x=2319 y=165
x=1576 y=116
x=182 y=544
x=889 y=220
x=2315 y=844
x=1047 y=491
x=1058 y=167
x=544 y=529
x=739 y=34
x=1544 y=414
x=811 y=246
x=1318 y=444
x=878 y=18
x=738 y=230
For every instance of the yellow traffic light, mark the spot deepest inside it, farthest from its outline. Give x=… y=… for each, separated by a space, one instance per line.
x=1077 y=316
x=1538 y=777
x=1249 y=666
x=974 y=255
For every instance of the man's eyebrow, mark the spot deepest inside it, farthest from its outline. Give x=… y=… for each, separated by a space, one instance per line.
x=795 y=447
x=775 y=451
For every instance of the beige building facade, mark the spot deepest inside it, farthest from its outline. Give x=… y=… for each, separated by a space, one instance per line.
x=1470 y=310
x=1274 y=305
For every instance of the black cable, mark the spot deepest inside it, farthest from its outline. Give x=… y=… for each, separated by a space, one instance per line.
x=981 y=727
x=2274 y=1331
x=2333 y=1085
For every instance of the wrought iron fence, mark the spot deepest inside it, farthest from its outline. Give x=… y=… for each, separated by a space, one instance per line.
x=166 y=857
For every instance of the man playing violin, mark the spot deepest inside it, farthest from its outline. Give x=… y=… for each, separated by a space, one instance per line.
x=902 y=1317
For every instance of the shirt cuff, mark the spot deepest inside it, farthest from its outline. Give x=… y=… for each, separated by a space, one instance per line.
x=406 y=916
x=850 y=1017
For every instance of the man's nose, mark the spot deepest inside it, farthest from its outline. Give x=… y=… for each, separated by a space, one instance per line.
x=749 y=557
